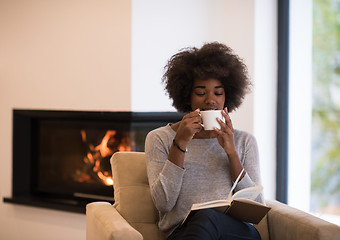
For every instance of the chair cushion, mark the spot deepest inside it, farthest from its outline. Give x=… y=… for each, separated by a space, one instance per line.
x=262 y=228
x=132 y=193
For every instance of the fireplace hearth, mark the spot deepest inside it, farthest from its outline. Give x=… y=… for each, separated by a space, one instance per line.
x=61 y=159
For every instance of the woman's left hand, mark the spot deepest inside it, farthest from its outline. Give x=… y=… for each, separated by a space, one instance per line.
x=225 y=135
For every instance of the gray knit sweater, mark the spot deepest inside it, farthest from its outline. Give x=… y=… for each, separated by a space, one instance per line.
x=205 y=176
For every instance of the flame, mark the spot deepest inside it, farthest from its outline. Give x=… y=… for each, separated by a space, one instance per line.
x=109 y=181
x=109 y=144
x=103 y=146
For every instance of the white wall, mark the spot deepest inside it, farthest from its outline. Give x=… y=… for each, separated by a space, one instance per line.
x=65 y=54
x=300 y=104
x=161 y=28
x=265 y=91
x=109 y=55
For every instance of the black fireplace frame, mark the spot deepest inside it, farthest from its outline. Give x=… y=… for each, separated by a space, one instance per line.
x=24 y=122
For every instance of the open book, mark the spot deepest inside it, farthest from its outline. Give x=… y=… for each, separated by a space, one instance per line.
x=241 y=205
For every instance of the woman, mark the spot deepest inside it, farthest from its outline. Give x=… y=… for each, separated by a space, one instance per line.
x=187 y=164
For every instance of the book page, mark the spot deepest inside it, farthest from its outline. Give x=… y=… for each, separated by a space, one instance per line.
x=250 y=193
x=210 y=204
x=234 y=185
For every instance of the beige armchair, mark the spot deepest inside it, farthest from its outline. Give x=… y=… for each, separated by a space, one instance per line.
x=134 y=216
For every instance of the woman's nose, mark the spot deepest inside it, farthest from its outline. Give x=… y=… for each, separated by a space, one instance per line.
x=210 y=98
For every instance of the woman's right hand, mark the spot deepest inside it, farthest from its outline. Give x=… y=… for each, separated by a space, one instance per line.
x=185 y=131
x=188 y=127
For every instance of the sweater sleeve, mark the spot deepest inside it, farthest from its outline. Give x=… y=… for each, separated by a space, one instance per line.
x=165 y=178
x=249 y=157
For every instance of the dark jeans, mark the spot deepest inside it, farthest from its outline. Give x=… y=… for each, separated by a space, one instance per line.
x=211 y=224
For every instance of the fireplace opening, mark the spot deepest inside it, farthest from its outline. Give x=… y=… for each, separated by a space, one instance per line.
x=61 y=159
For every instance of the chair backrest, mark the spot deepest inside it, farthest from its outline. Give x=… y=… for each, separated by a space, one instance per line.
x=132 y=193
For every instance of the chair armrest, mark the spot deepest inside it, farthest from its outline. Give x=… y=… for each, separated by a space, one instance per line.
x=103 y=222
x=285 y=222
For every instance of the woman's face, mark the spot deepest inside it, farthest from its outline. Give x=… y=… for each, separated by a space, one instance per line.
x=207 y=95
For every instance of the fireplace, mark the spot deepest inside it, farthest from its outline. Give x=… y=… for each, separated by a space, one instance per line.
x=61 y=159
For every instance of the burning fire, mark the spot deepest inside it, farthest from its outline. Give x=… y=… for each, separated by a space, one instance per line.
x=97 y=156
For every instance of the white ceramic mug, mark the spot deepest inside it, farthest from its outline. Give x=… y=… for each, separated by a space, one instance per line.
x=209 y=119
